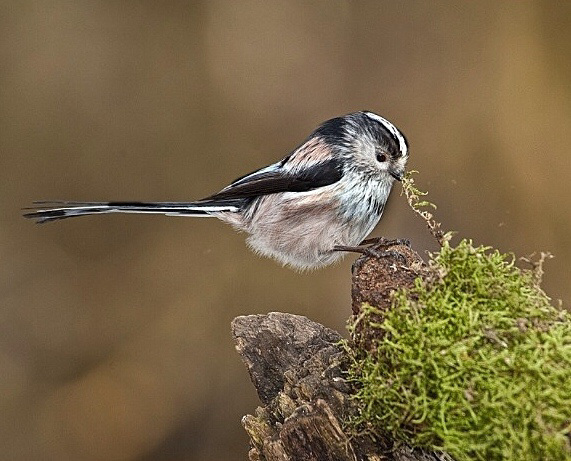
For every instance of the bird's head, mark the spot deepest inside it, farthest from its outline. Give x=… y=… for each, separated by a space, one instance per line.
x=369 y=143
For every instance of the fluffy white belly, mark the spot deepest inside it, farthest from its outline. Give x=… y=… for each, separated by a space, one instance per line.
x=301 y=231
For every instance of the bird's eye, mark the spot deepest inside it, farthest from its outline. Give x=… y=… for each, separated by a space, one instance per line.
x=381 y=157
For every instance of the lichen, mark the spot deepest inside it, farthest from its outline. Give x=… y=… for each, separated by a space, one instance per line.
x=475 y=361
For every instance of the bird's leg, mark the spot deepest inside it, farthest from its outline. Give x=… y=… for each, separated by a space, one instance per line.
x=352 y=249
x=372 y=245
x=372 y=250
x=383 y=242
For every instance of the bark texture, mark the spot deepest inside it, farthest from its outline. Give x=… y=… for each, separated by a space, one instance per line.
x=297 y=368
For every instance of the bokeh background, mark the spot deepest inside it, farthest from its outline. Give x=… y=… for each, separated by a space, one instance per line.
x=114 y=330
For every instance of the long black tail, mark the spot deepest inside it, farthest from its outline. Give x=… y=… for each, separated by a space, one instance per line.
x=50 y=211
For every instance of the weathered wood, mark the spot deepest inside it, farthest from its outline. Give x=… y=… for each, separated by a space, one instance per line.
x=297 y=367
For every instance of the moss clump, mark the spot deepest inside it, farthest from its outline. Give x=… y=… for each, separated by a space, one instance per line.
x=475 y=362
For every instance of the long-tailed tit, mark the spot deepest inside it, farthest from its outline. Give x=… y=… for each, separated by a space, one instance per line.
x=325 y=196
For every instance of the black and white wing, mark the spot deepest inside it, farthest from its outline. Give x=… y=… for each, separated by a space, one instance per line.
x=278 y=178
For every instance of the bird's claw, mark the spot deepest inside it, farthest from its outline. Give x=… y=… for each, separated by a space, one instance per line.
x=384 y=242
x=372 y=251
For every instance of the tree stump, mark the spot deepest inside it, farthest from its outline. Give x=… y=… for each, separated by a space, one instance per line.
x=297 y=367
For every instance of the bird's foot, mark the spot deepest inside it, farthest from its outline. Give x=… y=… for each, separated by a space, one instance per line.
x=384 y=242
x=373 y=251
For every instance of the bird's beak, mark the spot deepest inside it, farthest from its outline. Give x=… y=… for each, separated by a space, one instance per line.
x=396 y=174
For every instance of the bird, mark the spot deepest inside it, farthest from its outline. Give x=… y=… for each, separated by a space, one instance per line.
x=304 y=211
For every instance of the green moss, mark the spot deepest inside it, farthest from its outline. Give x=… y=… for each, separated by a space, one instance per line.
x=476 y=362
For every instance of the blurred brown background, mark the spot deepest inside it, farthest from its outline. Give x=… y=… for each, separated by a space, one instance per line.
x=114 y=330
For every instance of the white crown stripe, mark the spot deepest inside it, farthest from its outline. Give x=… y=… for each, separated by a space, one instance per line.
x=393 y=129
